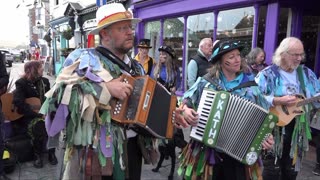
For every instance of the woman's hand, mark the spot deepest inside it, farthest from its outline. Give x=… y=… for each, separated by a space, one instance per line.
x=268 y=143
x=191 y=116
x=185 y=117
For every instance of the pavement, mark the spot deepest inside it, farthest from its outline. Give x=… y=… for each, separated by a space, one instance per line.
x=26 y=171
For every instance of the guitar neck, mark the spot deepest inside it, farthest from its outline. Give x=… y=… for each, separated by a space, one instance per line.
x=307 y=101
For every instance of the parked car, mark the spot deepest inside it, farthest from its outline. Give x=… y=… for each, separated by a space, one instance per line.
x=16 y=54
x=9 y=57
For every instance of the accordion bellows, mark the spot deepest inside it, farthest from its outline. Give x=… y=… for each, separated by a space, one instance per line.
x=233 y=125
x=150 y=106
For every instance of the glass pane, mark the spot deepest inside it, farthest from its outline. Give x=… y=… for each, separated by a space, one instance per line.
x=237 y=24
x=173 y=36
x=152 y=32
x=261 y=26
x=283 y=24
x=199 y=27
x=309 y=36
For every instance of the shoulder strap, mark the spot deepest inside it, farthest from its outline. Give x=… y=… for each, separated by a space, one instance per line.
x=150 y=63
x=242 y=85
x=301 y=79
x=219 y=88
x=108 y=54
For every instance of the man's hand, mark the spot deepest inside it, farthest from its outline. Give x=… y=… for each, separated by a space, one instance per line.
x=119 y=89
x=288 y=100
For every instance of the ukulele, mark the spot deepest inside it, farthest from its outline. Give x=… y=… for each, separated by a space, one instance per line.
x=10 y=111
x=287 y=113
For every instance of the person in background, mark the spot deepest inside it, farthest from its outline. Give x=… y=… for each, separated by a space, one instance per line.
x=165 y=70
x=225 y=74
x=32 y=84
x=200 y=63
x=4 y=81
x=256 y=60
x=37 y=54
x=280 y=84
x=143 y=58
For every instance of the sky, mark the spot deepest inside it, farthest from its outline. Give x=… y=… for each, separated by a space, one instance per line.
x=14 y=23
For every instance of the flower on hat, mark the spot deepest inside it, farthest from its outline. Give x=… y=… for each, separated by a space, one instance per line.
x=112 y=13
x=222 y=47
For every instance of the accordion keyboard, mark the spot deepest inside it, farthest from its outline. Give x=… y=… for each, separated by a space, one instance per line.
x=233 y=125
x=204 y=109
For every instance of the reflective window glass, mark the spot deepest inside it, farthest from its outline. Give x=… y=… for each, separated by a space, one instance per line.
x=173 y=36
x=152 y=32
x=199 y=26
x=237 y=24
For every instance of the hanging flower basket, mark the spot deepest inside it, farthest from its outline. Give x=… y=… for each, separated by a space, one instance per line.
x=67 y=34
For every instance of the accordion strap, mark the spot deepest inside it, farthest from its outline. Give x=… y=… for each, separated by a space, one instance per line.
x=219 y=88
x=108 y=54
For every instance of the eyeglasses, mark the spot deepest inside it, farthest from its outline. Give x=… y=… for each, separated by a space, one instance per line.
x=125 y=28
x=302 y=55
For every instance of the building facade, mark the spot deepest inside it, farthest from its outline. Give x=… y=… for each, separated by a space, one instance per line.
x=255 y=23
x=182 y=24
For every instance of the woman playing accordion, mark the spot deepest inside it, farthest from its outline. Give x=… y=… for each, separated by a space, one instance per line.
x=199 y=161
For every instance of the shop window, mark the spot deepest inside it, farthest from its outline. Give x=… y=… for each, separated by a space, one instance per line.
x=173 y=36
x=199 y=26
x=237 y=24
x=152 y=32
x=309 y=35
x=283 y=24
x=261 y=26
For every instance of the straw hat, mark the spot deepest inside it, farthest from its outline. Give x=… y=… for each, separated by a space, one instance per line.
x=112 y=13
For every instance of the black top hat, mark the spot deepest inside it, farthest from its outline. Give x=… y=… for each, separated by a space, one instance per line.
x=144 y=43
x=222 y=47
x=169 y=50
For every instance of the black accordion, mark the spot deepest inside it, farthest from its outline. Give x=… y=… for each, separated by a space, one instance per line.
x=150 y=106
x=233 y=125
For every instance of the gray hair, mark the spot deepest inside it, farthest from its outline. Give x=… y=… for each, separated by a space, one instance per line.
x=284 y=46
x=204 y=41
x=251 y=57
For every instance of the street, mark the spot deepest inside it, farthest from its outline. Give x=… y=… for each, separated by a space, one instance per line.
x=26 y=171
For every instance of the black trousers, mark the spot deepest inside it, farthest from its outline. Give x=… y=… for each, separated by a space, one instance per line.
x=283 y=169
x=229 y=169
x=316 y=140
x=134 y=160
